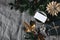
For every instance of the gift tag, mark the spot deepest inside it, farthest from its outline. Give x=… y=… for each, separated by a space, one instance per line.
x=40 y=17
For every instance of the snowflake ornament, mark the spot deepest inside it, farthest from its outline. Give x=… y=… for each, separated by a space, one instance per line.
x=53 y=8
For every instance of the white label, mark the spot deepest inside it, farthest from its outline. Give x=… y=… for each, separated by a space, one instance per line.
x=40 y=17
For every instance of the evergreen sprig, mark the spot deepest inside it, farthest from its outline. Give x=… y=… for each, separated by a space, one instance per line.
x=24 y=5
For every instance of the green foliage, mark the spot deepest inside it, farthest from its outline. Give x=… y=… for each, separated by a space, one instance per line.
x=24 y=5
x=30 y=36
